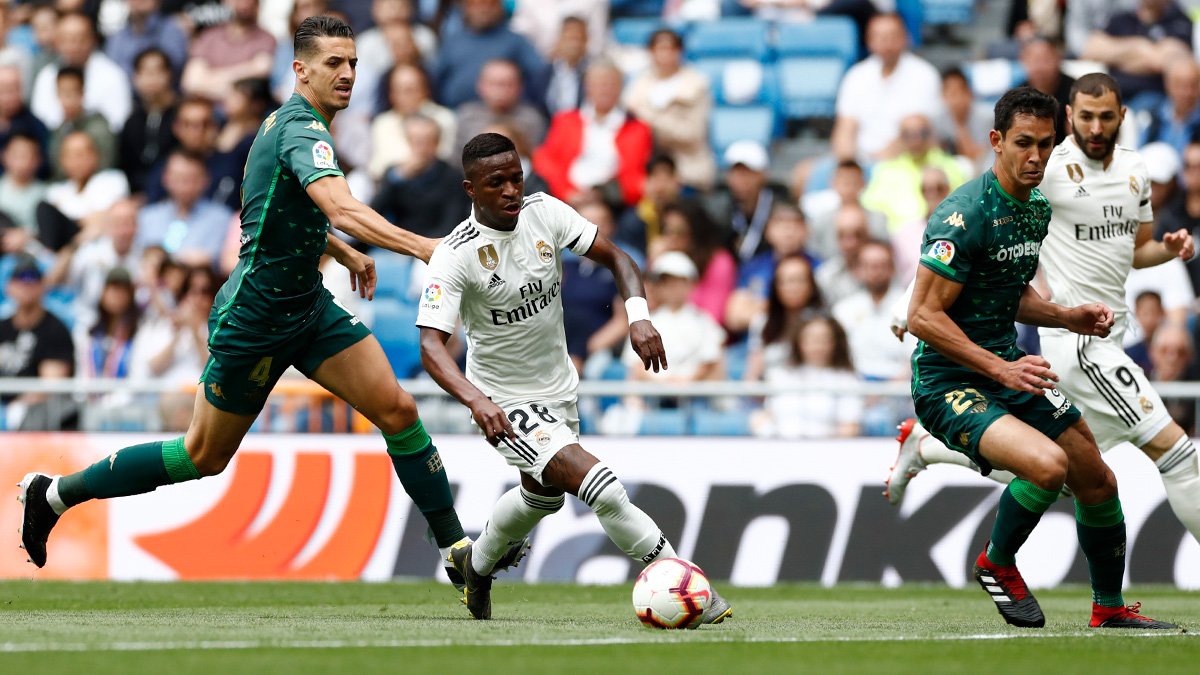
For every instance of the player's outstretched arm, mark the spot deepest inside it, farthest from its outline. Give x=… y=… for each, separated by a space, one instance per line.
x=644 y=338
x=360 y=265
x=332 y=195
x=1090 y=319
x=933 y=294
x=440 y=365
x=1147 y=252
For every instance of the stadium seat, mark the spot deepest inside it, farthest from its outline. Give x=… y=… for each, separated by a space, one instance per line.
x=620 y=8
x=990 y=78
x=729 y=124
x=752 y=82
x=635 y=32
x=823 y=36
x=392 y=274
x=729 y=38
x=721 y=423
x=913 y=14
x=395 y=327
x=808 y=86
x=664 y=423
x=956 y=12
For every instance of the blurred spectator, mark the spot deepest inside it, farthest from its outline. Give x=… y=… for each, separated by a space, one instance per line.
x=1183 y=209
x=1029 y=18
x=568 y=62
x=15 y=116
x=787 y=235
x=689 y=334
x=160 y=280
x=373 y=45
x=246 y=107
x=1081 y=18
x=1137 y=44
x=1163 y=164
x=424 y=194
x=744 y=203
x=34 y=343
x=1041 y=59
x=83 y=264
x=819 y=356
x=195 y=131
x=499 y=90
x=687 y=229
x=876 y=93
x=1172 y=359
x=283 y=80
x=593 y=312
x=793 y=298
x=44 y=24
x=484 y=37
x=400 y=41
x=835 y=276
x=616 y=150
x=533 y=181
x=1170 y=280
x=1176 y=121
x=894 y=189
x=107 y=86
x=906 y=242
x=12 y=55
x=102 y=346
x=676 y=102
x=679 y=11
x=81 y=200
x=1149 y=314
x=20 y=189
x=963 y=129
x=821 y=207
x=542 y=21
x=146 y=137
x=641 y=225
x=231 y=51
x=75 y=118
x=408 y=94
x=188 y=226
x=148 y=28
x=866 y=316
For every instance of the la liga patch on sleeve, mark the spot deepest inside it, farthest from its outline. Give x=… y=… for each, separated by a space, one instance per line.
x=942 y=251
x=323 y=155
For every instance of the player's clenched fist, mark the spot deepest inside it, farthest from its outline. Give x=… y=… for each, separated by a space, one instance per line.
x=647 y=344
x=1091 y=319
x=492 y=420
x=1030 y=374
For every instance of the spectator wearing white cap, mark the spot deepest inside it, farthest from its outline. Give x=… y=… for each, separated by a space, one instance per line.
x=743 y=204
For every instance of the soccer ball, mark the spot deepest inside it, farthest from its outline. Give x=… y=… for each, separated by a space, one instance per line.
x=671 y=593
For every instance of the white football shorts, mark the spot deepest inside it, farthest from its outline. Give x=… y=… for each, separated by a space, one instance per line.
x=542 y=428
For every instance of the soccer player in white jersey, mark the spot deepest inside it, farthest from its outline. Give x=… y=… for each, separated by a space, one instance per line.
x=1101 y=227
x=500 y=272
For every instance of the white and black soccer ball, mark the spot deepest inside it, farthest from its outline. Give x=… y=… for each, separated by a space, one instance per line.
x=671 y=593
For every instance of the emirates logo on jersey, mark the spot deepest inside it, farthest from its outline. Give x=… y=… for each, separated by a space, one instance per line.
x=1075 y=172
x=488 y=257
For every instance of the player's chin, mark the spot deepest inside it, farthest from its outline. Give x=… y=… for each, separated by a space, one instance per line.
x=1032 y=178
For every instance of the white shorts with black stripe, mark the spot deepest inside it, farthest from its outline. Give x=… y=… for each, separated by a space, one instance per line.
x=542 y=428
x=1117 y=401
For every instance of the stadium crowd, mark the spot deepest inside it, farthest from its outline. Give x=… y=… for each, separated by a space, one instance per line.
x=125 y=126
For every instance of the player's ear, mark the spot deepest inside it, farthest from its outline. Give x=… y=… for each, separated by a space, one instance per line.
x=996 y=138
x=469 y=187
x=300 y=68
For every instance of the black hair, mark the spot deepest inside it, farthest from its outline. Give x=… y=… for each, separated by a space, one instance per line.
x=305 y=42
x=190 y=156
x=661 y=159
x=954 y=72
x=67 y=72
x=850 y=164
x=1023 y=101
x=674 y=37
x=258 y=91
x=573 y=19
x=22 y=136
x=484 y=146
x=780 y=318
x=149 y=52
x=1095 y=84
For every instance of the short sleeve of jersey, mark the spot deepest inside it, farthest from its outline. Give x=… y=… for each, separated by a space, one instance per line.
x=1145 y=210
x=947 y=247
x=570 y=230
x=306 y=149
x=443 y=291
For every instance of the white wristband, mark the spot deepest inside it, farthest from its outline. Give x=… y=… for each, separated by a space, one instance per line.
x=637 y=309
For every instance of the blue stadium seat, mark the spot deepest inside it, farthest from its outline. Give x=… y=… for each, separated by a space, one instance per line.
x=620 y=8
x=395 y=327
x=808 y=86
x=739 y=37
x=722 y=423
x=637 y=31
x=664 y=423
x=823 y=36
x=957 y=12
x=719 y=70
x=913 y=14
x=392 y=272
x=729 y=124
x=990 y=78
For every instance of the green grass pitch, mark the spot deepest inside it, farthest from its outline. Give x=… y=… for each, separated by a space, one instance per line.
x=300 y=628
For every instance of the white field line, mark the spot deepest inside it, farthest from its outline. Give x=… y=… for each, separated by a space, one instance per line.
x=202 y=645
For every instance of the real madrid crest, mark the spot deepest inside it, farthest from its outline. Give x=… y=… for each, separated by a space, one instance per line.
x=1147 y=406
x=545 y=252
x=1075 y=172
x=1133 y=186
x=488 y=257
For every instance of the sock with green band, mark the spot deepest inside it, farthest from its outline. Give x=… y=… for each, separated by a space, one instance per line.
x=420 y=470
x=129 y=471
x=1021 y=507
x=1101 y=530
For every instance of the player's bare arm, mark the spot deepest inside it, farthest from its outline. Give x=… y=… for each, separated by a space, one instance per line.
x=1147 y=252
x=332 y=195
x=1090 y=319
x=360 y=265
x=933 y=294
x=646 y=341
x=437 y=361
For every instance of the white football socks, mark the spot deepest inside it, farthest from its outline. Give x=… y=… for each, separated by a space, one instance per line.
x=515 y=515
x=626 y=525
x=1181 y=478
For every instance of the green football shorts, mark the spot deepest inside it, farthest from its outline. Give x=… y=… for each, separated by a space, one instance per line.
x=237 y=379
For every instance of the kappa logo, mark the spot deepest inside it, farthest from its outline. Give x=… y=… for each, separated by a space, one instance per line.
x=488 y=257
x=955 y=220
x=317 y=125
x=494 y=281
x=112 y=459
x=270 y=122
x=221 y=544
x=216 y=390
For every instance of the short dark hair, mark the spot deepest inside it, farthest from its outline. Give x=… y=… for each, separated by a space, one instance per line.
x=484 y=146
x=1095 y=84
x=572 y=19
x=674 y=37
x=661 y=159
x=314 y=27
x=850 y=164
x=70 y=72
x=189 y=156
x=954 y=73
x=150 y=52
x=1023 y=101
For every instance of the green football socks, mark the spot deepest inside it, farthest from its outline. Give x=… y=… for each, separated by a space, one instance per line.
x=1101 y=530
x=419 y=468
x=129 y=471
x=1021 y=507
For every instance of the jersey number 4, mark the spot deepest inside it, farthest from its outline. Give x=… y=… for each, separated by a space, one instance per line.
x=522 y=418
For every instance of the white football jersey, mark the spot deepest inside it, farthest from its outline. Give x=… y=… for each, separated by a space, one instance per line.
x=507 y=288
x=1095 y=217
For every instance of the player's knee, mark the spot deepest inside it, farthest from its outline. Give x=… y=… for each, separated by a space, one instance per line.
x=1049 y=471
x=400 y=414
x=1096 y=488
x=604 y=493
x=209 y=457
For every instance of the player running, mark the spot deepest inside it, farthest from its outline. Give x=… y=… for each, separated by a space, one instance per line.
x=980 y=395
x=273 y=313
x=1102 y=227
x=500 y=271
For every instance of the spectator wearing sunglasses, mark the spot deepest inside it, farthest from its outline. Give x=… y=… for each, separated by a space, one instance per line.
x=894 y=188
